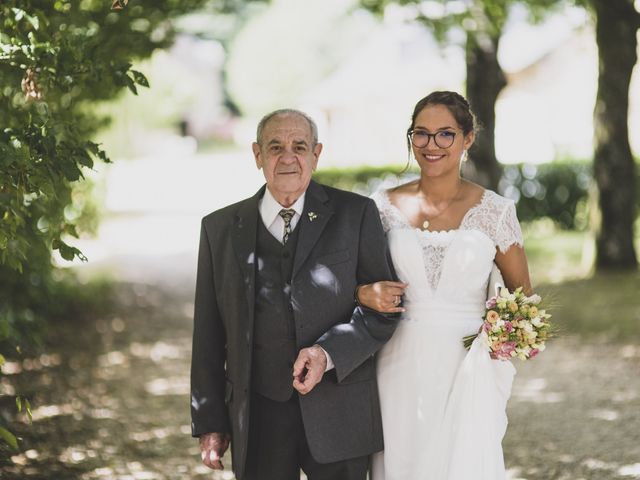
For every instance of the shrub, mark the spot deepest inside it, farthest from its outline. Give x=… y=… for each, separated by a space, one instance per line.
x=558 y=190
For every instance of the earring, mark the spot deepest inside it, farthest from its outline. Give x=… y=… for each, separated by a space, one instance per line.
x=465 y=156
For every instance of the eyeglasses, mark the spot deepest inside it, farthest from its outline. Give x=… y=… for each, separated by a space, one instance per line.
x=442 y=139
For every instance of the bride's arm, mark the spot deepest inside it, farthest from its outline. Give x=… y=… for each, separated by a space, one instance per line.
x=385 y=297
x=514 y=268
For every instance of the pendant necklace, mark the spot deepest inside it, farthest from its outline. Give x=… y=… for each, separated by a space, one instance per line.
x=426 y=223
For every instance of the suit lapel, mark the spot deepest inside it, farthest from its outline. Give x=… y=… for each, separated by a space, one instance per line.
x=314 y=219
x=244 y=244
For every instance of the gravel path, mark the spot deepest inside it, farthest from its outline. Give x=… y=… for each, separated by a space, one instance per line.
x=111 y=401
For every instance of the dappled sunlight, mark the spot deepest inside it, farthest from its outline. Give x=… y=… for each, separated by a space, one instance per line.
x=595 y=464
x=76 y=454
x=630 y=351
x=534 y=391
x=323 y=277
x=168 y=386
x=605 y=414
x=28 y=364
x=197 y=401
x=112 y=359
x=159 y=351
x=48 y=411
x=155 y=433
x=630 y=470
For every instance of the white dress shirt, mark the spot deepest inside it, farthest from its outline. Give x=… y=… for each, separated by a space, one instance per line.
x=270 y=213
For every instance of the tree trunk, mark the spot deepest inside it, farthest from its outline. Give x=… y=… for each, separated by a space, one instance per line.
x=485 y=81
x=614 y=166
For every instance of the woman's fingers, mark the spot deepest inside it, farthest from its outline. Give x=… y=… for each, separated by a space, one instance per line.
x=393 y=285
x=384 y=296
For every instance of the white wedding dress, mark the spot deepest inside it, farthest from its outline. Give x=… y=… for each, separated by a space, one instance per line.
x=443 y=408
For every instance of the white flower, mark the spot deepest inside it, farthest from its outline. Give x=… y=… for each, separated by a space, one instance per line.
x=536 y=321
x=534 y=299
x=504 y=292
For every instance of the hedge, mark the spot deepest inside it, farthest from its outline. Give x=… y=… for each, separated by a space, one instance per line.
x=558 y=190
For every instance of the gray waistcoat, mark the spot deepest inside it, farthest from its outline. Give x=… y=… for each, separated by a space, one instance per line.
x=274 y=341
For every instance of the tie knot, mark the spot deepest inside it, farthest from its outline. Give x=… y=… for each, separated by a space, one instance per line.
x=287 y=214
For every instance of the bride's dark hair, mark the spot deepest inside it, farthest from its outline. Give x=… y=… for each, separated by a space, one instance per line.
x=457 y=105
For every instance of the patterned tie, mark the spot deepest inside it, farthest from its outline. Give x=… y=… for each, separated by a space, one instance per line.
x=286 y=214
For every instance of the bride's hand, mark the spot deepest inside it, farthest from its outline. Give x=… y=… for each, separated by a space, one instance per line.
x=384 y=297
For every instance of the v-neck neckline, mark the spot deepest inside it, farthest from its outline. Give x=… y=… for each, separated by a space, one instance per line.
x=406 y=221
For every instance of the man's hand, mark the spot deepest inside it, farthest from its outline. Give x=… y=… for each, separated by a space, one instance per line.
x=212 y=448
x=309 y=368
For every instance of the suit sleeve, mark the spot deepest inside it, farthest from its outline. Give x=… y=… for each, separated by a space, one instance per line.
x=208 y=409
x=350 y=344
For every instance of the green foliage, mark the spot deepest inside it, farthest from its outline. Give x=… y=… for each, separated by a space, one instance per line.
x=479 y=19
x=361 y=179
x=557 y=190
x=57 y=58
x=9 y=438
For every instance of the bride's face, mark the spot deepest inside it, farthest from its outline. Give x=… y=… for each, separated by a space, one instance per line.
x=438 y=142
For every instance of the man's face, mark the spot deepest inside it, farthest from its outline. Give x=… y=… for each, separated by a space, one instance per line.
x=287 y=156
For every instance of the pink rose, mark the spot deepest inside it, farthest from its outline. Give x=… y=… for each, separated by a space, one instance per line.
x=503 y=350
x=508 y=347
x=508 y=327
x=534 y=352
x=491 y=303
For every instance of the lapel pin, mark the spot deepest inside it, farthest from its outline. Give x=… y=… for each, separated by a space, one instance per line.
x=312 y=216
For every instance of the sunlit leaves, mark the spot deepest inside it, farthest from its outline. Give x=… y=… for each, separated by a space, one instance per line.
x=20 y=14
x=9 y=438
x=139 y=78
x=475 y=17
x=23 y=404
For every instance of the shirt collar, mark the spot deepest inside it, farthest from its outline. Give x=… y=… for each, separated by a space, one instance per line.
x=270 y=208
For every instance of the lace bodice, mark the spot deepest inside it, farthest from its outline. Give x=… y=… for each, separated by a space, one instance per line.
x=492 y=218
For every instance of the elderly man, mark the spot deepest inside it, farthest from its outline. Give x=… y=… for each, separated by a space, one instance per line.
x=282 y=362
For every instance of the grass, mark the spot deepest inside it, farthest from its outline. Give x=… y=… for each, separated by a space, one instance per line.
x=582 y=302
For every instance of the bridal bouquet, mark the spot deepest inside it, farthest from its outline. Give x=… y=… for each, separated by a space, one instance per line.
x=514 y=325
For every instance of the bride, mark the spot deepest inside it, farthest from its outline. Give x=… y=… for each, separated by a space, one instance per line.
x=443 y=408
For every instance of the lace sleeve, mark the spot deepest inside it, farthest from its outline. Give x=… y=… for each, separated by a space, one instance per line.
x=508 y=232
x=388 y=216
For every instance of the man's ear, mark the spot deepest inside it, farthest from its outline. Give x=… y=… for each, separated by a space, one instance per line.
x=317 y=150
x=256 y=153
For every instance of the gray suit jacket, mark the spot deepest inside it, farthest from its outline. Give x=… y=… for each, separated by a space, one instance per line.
x=341 y=244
